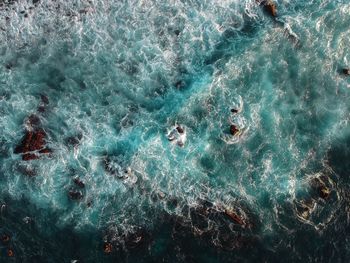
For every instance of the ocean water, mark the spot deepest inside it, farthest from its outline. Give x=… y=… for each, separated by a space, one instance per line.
x=108 y=81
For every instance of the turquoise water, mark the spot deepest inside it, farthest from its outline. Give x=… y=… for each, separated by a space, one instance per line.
x=110 y=80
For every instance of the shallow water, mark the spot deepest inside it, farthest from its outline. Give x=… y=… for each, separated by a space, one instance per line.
x=109 y=82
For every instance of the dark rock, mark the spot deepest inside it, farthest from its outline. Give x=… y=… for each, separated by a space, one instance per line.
x=25 y=15
x=180 y=84
x=5 y=238
x=41 y=109
x=74 y=140
x=136 y=238
x=9 y=65
x=177 y=32
x=35 y=1
x=234 y=110
x=83 y=11
x=75 y=195
x=78 y=182
x=346 y=71
x=324 y=192
x=44 y=99
x=33 y=121
x=269 y=7
x=233 y=129
x=180 y=129
x=27 y=170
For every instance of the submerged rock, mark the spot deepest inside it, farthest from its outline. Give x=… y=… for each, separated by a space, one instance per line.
x=5 y=238
x=74 y=140
x=75 y=195
x=78 y=182
x=27 y=170
x=44 y=101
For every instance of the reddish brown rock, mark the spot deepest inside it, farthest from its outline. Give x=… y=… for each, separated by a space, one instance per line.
x=32 y=142
x=271 y=8
x=234 y=217
x=233 y=129
x=10 y=252
x=107 y=248
x=29 y=156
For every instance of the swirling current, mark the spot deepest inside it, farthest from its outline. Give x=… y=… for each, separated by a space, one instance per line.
x=174 y=131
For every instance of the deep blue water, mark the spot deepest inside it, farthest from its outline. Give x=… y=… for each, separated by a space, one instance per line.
x=108 y=81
